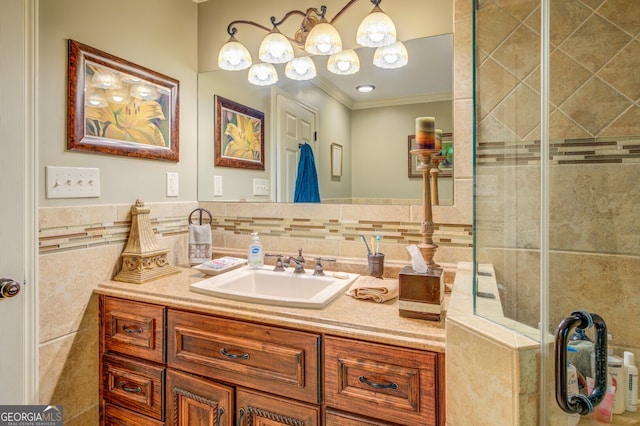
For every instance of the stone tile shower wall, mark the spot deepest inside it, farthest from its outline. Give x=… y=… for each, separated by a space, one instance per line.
x=594 y=127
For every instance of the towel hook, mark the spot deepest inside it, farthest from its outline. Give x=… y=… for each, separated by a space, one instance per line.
x=201 y=211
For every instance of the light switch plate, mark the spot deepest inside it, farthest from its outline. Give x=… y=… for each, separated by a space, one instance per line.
x=173 y=186
x=217 y=186
x=260 y=186
x=72 y=182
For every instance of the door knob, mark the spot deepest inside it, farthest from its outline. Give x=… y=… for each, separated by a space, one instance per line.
x=8 y=288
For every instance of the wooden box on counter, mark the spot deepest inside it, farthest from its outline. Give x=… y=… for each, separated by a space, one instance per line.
x=421 y=294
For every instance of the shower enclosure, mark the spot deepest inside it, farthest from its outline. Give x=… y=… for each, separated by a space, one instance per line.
x=557 y=166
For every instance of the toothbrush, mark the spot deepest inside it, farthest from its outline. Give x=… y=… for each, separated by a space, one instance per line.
x=378 y=238
x=365 y=243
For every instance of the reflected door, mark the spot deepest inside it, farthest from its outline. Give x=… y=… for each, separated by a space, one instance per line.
x=296 y=124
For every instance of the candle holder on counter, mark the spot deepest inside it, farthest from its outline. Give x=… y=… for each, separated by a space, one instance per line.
x=427 y=246
x=421 y=294
x=435 y=171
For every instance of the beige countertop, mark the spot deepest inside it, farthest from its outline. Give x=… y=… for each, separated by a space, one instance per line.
x=346 y=316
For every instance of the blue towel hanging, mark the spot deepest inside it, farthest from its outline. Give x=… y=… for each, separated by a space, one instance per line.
x=307 y=180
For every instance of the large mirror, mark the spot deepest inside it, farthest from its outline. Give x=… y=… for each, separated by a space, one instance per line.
x=368 y=134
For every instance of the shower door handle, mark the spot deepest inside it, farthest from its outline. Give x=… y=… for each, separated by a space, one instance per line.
x=581 y=404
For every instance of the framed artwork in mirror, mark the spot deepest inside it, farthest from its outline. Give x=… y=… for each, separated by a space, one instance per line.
x=336 y=160
x=446 y=165
x=120 y=108
x=239 y=135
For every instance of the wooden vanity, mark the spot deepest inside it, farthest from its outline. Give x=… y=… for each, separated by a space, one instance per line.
x=169 y=356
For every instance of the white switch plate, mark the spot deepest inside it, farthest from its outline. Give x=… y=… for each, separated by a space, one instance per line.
x=173 y=186
x=260 y=186
x=72 y=182
x=217 y=186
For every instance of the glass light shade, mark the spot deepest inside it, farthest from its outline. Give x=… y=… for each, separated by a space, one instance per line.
x=275 y=48
x=234 y=56
x=263 y=74
x=323 y=39
x=118 y=96
x=301 y=68
x=393 y=56
x=104 y=79
x=95 y=98
x=145 y=92
x=376 y=30
x=344 y=63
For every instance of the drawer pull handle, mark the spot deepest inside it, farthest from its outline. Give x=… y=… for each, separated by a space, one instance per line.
x=224 y=352
x=240 y=416
x=131 y=330
x=124 y=387
x=391 y=385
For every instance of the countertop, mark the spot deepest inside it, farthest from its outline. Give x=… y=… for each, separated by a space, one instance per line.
x=345 y=317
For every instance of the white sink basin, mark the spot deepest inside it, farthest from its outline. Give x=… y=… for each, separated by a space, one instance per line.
x=268 y=287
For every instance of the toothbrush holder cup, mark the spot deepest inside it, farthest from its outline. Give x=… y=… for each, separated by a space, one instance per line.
x=376 y=265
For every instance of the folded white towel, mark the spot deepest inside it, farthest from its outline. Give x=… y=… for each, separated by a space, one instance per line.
x=372 y=288
x=199 y=244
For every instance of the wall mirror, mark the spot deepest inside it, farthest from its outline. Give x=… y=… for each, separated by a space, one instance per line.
x=372 y=129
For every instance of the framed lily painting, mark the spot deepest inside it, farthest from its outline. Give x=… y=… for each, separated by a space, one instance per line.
x=120 y=108
x=239 y=135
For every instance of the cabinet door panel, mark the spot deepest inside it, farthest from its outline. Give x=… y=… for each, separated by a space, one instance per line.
x=257 y=409
x=390 y=383
x=284 y=362
x=193 y=401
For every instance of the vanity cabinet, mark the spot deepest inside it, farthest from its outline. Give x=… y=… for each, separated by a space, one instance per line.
x=167 y=366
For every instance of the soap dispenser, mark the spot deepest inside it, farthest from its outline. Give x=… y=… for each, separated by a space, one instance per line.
x=256 y=255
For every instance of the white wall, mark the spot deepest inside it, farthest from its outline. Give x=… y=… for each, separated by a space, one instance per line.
x=380 y=137
x=161 y=36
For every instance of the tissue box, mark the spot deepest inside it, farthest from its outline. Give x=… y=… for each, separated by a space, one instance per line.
x=421 y=294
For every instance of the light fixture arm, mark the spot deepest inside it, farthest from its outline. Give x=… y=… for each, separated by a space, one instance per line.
x=307 y=23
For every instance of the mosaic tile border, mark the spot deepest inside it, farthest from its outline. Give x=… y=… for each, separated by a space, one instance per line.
x=82 y=236
x=561 y=152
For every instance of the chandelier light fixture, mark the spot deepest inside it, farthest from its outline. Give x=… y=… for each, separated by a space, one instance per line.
x=315 y=36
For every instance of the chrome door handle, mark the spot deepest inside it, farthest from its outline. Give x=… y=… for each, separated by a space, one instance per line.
x=581 y=404
x=8 y=288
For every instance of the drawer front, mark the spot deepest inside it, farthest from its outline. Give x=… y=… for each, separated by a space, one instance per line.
x=118 y=416
x=283 y=362
x=385 y=382
x=133 y=384
x=339 y=418
x=255 y=408
x=134 y=328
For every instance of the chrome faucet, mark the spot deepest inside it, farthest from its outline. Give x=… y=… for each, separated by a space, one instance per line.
x=298 y=262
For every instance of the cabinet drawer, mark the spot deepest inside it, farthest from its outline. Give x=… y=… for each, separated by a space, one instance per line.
x=284 y=362
x=133 y=384
x=338 y=418
x=385 y=382
x=117 y=416
x=134 y=328
x=254 y=408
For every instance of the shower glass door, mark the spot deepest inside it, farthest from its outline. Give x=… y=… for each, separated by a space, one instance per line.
x=557 y=166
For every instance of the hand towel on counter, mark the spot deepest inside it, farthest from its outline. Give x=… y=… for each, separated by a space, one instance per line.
x=199 y=244
x=377 y=289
